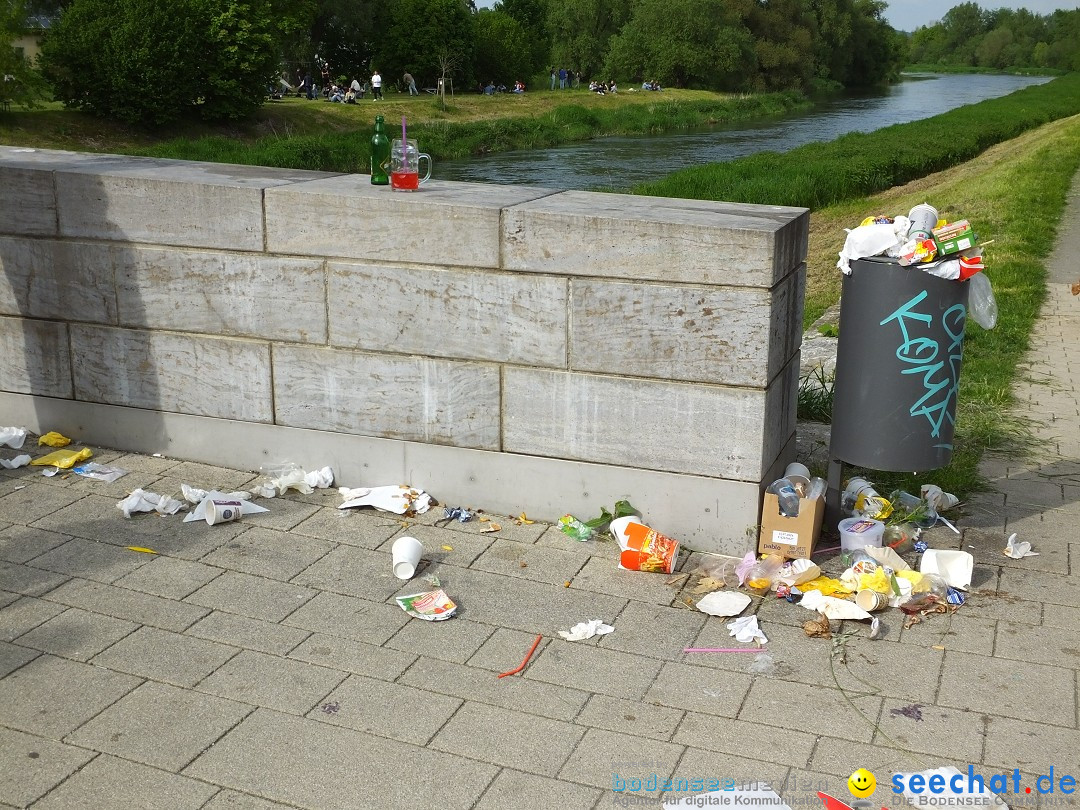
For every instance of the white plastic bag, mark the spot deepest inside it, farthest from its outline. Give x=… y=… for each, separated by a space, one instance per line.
x=981 y=302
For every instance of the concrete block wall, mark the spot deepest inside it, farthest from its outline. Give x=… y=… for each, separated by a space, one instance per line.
x=513 y=348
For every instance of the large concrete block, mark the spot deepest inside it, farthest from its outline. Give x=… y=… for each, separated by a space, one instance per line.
x=724 y=335
x=240 y=294
x=447 y=312
x=412 y=398
x=169 y=202
x=443 y=223
x=676 y=427
x=165 y=371
x=665 y=239
x=62 y=280
x=34 y=357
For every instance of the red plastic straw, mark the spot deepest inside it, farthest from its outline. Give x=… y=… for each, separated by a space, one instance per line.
x=528 y=655
x=720 y=649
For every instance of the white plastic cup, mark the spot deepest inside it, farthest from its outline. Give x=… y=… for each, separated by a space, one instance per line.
x=222 y=511
x=870 y=600
x=795 y=468
x=406 y=553
x=857 y=533
x=923 y=217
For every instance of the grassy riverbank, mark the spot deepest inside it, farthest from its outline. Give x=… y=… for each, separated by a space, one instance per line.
x=302 y=134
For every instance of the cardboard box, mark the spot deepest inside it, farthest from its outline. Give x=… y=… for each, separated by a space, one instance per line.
x=954 y=237
x=795 y=537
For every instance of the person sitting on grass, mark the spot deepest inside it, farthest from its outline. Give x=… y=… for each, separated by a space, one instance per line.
x=490 y=89
x=596 y=87
x=336 y=95
x=519 y=86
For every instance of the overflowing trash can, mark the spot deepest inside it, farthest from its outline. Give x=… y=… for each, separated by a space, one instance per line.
x=897 y=366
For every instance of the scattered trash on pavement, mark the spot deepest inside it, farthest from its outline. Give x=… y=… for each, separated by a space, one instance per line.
x=585 y=529
x=528 y=655
x=724 y=603
x=64 y=459
x=405 y=556
x=142 y=501
x=955 y=567
x=643 y=548
x=431 y=606
x=15 y=463
x=832 y=607
x=222 y=507
x=12 y=437
x=818 y=628
x=399 y=499
x=586 y=630
x=746 y=630
x=53 y=439
x=141 y=549
x=280 y=478
x=458 y=513
x=99 y=472
x=1016 y=549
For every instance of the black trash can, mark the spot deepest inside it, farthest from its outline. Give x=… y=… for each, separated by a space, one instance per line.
x=897 y=367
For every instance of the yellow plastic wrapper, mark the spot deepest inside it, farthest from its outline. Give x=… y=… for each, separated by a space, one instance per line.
x=827 y=585
x=876 y=581
x=64 y=459
x=917 y=580
x=53 y=439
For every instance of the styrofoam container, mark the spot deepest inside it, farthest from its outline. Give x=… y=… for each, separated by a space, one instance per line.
x=858 y=532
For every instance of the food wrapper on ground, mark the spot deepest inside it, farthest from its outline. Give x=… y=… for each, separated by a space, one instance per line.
x=431 y=606
x=64 y=459
x=643 y=548
x=1016 y=549
x=825 y=585
x=397 y=499
x=283 y=477
x=53 y=439
x=99 y=472
x=746 y=630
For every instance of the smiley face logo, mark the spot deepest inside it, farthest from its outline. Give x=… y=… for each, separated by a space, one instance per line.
x=861 y=783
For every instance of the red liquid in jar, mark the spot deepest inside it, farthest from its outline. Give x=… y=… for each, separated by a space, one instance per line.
x=409 y=181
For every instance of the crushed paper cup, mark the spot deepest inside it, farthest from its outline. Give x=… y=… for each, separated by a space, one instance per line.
x=200 y=511
x=431 y=606
x=643 y=548
x=953 y=566
x=724 y=603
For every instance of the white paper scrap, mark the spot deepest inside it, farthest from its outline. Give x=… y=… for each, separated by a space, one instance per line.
x=142 y=501
x=1016 y=549
x=745 y=629
x=585 y=630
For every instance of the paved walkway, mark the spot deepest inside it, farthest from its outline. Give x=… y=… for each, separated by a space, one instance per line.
x=263 y=664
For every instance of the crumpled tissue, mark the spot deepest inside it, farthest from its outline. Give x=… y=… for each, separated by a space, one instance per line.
x=832 y=607
x=745 y=629
x=872 y=240
x=18 y=461
x=13 y=437
x=1017 y=549
x=197 y=496
x=584 y=630
x=142 y=501
x=291 y=476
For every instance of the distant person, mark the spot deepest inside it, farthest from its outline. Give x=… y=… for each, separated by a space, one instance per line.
x=554 y=77
x=519 y=86
x=309 y=86
x=562 y=78
x=356 y=88
x=411 y=82
x=612 y=87
x=376 y=86
x=490 y=89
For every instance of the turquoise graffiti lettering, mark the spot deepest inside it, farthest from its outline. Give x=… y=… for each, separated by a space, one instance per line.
x=939 y=366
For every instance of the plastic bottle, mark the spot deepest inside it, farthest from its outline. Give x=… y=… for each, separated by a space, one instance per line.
x=572 y=527
x=981 y=302
x=763 y=574
x=901 y=537
x=380 y=155
x=785 y=493
x=817 y=488
x=915 y=510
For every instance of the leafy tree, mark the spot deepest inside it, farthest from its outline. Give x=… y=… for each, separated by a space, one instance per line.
x=412 y=34
x=532 y=16
x=581 y=31
x=146 y=62
x=877 y=51
x=783 y=36
x=342 y=33
x=502 y=48
x=19 y=82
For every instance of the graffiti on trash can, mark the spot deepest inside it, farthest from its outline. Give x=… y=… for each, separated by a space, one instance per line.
x=939 y=365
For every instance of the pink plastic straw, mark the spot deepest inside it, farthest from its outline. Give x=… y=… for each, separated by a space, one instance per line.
x=721 y=649
x=404 y=143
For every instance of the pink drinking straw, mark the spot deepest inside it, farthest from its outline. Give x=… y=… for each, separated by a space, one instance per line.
x=722 y=649
x=404 y=143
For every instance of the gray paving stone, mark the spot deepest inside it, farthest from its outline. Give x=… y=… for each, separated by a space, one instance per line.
x=247 y=633
x=231 y=800
x=53 y=696
x=818 y=707
x=516 y=789
x=954 y=734
x=505 y=649
x=511 y=692
x=349 y=527
x=77 y=634
x=521 y=741
x=108 y=783
x=601 y=545
x=602 y=575
x=654 y=630
x=445 y=545
x=101 y=562
x=23 y=615
x=455 y=640
x=963 y=633
x=1061 y=616
x=534 y=607
x=349 y=617
x=839 y=757
x=160 y=725
x=593 y=669
x=768 y=743
x=993 y=605
x=1026 y=491
x=1002 y=687
x=27 y=580
x=630 y=717
x=13 y=656
x=699 y=689
x=538 y=563
x=207 y=476
x=353 y=656
x=1040 y=587
x=142 y=608
x=386 y=709
x=247 y=595
x=269 y=553
x=277 y=683
x=354 y=572
x=1042 y=645
x=157 y=465
x=285 y=513
x=707 y=766
x=163 y=656
x=1019 y=744
x=31 y=766
x=19 y=544
x=311 y=764
x=601 y=756
x=987 y=547
x=169 y=577
x=7 y=597
x=24 y=506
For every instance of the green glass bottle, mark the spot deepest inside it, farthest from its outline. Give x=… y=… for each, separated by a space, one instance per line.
x=380 y=155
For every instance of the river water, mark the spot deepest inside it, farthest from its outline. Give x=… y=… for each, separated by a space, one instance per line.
x=622 y=162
